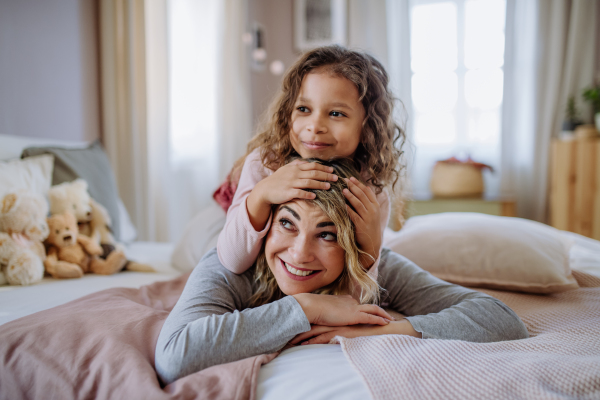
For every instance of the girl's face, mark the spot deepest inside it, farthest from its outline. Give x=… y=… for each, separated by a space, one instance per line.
x=327 y=117
x=302 y=250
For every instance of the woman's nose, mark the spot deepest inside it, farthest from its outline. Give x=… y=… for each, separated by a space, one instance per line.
x=301 y=251
x=317 y=123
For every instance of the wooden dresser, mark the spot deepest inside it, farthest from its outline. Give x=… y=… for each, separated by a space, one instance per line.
x=575 y=186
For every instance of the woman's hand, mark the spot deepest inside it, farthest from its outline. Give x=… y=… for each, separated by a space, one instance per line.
x=328 y=310
x=287 y=183
x=323 y=334
x=366 y=218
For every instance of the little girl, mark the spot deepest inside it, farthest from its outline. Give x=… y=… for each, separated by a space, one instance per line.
x=334 y=103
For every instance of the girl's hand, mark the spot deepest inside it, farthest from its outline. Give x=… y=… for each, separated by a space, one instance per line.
x=323 y=334
x=285 y=184
x=329 y=310
x=366 y=218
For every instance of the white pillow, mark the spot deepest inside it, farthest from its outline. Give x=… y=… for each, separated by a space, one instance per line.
x=585 y=253
x=200 y=235
x=33 y=173
x=480 y=250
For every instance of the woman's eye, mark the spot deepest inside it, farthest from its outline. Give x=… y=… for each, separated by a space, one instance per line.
x=328 y=236
x=337 y=114
x=286 y=224
x=302 y=109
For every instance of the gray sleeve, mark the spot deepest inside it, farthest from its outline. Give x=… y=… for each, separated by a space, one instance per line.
x=211 y=324
x=441 y=310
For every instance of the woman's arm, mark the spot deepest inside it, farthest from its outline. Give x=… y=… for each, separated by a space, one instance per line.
x=441 y=310
x=206 y=328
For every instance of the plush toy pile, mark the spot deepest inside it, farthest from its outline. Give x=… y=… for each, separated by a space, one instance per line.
x=77 y=236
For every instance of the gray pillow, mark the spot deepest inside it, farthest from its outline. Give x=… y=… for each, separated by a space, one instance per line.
x=91 y=164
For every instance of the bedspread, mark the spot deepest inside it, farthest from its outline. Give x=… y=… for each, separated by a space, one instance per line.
x=561 y=359
x=102 y=346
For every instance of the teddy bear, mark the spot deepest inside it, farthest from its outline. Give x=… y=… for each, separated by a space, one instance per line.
x=71 y=254
x=23 y=229
x=93 y=219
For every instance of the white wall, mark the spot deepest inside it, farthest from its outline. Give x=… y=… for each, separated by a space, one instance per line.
x=48 y=69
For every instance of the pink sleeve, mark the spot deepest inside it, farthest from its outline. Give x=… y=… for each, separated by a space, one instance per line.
x=239 y=243
x=384 y=203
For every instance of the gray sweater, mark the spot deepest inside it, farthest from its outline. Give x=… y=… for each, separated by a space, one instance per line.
x=211 y=323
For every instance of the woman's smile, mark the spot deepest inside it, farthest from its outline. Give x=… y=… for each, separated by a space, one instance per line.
x=297 y=273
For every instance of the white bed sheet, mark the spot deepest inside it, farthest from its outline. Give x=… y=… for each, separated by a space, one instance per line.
x=19 y=301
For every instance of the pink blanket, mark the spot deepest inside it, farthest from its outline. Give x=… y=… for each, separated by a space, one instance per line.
x=102 y=346
x=561 y=359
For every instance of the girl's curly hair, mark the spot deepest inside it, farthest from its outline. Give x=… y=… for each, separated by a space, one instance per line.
x=379 y=151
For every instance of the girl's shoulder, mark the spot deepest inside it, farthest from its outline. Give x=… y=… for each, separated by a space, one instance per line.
x=254 y=167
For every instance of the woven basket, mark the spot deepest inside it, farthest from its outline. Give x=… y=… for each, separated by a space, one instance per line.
x=456 y=180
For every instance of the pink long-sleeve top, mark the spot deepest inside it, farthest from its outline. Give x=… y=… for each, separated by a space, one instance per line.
x=239 y=243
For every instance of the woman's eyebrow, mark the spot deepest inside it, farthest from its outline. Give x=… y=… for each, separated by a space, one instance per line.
x=294 y=213
x=324 y=224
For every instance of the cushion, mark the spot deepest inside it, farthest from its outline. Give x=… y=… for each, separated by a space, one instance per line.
x=199 y=236
x=34 y=174
x=11 y=146
x=480 y=250
x=91 y=164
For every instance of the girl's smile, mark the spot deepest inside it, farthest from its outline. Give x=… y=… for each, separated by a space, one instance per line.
x=327 y=118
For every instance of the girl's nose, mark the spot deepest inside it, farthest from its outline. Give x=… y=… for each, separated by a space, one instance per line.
x=301 y=251
x=317 y=123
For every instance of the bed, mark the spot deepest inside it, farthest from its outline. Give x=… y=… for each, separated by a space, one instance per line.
x=317 y=372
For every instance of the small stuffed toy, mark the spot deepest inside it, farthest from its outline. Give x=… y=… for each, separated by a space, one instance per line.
x=93 y=219
x=70 y=254
x=23 y=229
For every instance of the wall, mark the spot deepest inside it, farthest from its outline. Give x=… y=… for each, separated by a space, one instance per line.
x=366 y=31
x=48 y=69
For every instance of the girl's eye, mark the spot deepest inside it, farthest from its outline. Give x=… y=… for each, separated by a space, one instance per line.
x=328 y=236
x=337 y=114
x=286 y=224
x=302 y=109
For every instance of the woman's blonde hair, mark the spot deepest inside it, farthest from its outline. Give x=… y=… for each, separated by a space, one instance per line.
x=378 y=154
x=354 y=275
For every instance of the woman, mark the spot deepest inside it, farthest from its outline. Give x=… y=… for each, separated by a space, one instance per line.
x=307 y=286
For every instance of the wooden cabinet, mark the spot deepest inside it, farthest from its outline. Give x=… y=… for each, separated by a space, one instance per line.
x=575 y=187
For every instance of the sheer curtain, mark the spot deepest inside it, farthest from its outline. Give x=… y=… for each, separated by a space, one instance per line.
x=551 y=50
x=169 y=151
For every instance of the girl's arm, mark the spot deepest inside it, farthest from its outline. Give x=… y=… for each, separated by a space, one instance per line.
x=239 y=243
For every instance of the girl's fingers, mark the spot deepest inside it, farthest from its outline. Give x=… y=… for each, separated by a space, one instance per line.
x=311 y=184
x=358 y=205
x=357 y=189
x=370 y=319
x=353 y=215
x=375 y=310
x=302 y=194
x=315 y=166
x=318 y=175
x=366 y=189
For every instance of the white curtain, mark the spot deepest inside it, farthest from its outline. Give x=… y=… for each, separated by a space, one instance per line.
x=161 y=194
x=551 y=49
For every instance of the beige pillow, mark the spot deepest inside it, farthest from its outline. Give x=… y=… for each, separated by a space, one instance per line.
x=34 y=173
x=480 y=250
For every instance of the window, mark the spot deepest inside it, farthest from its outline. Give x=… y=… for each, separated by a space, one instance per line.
x=457 y=58
x=193 y=40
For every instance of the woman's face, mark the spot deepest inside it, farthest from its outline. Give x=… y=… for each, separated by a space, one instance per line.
x=302 y=249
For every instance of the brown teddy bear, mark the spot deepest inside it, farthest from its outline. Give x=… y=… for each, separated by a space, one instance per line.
x=92 y=218
x=23 y=229
x=71 y=254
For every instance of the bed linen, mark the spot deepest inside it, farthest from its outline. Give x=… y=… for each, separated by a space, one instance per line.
x=561 y=359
